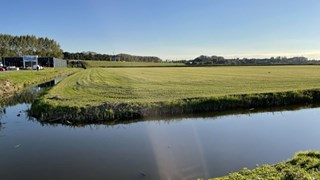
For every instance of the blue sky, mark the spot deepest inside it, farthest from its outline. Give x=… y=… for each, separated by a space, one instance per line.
x=171 y=29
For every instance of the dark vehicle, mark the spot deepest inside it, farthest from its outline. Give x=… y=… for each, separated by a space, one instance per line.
x=3 y=68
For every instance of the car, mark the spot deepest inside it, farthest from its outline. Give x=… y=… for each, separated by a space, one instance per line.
x=13 y=68
x=37 y=67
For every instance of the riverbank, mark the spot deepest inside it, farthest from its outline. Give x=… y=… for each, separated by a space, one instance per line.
x=7 y=88
x=15 y=81
x=304 y=165
x=98 y=94
x=127 y=111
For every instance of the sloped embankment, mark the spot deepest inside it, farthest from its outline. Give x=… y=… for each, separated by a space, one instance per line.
x=7 y=88
x=45 y=111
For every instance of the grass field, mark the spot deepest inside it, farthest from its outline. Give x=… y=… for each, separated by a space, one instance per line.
x=100 y=94
x=16 y=80
x=96 y=86
x=32 y=76
x=93 y=64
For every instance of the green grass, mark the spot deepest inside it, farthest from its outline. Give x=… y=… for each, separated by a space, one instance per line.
x=97 y=86
x=93 y=64
x=98 y=94
x=25 y=78
x=304 y=165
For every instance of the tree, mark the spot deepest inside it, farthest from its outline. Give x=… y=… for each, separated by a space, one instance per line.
x=106 y=57
x=218 y=60
x=28 y=45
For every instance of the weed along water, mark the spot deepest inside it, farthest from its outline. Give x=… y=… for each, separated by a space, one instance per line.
x=178 y=148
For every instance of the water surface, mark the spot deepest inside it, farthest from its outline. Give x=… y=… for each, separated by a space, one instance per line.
x=182 y=148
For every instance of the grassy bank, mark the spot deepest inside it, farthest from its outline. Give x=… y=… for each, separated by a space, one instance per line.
x=304 y=165
x=127 y=93
x=95 y=64
x=14 y=81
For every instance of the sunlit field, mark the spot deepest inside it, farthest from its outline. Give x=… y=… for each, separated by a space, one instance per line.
x=92 y=64
x=28 y=77
x=104 y=85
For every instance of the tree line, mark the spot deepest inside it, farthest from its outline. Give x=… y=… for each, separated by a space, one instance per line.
x=107 y=57
x=219 y=60
x=14 y=46
x=17 y=46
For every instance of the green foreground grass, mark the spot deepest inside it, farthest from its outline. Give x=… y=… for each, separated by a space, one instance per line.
x=14 y=81
x=304 y=166
x=95 y=64
x=125 y=93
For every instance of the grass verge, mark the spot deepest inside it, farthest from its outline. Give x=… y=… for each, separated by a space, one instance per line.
x=304 y=165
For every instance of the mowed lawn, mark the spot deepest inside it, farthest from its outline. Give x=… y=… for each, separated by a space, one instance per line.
x=104 y=85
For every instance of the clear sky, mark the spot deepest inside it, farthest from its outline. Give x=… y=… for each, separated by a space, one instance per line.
x=171 y=29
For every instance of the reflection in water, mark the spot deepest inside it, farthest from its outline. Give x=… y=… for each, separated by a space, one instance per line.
x=2 y=112
x=28 y=95
x=217 y=115
x=182 y=148
x=178 y=160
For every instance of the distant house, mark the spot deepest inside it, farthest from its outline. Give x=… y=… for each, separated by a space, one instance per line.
x=42 y=61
